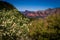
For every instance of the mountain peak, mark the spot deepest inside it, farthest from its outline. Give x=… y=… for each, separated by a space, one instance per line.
x=42 y=14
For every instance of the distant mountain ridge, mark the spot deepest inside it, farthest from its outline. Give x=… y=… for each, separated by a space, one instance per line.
x=40 y=14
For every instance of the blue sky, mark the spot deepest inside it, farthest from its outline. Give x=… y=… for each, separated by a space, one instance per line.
x=34 y=5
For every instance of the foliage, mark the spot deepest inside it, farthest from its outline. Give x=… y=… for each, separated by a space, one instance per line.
x=46 y=29
x=13 y=25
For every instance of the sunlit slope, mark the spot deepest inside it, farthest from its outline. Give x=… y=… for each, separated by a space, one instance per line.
x=13 y=24
x=47 y=28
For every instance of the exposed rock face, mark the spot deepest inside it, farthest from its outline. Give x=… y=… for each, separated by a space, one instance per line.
x=41 y=14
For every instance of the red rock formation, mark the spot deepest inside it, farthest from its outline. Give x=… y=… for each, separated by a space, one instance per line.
x=41 y=13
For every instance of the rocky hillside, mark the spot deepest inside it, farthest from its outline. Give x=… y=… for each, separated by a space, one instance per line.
x=40 y=14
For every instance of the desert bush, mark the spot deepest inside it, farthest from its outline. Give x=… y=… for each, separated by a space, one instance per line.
x=13 y=25
x=46 y=29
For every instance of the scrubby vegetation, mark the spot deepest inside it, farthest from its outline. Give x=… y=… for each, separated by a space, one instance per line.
x=46 y=29
x=15 y=26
